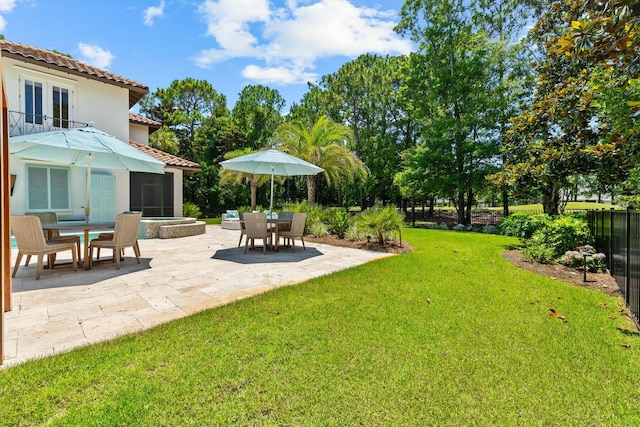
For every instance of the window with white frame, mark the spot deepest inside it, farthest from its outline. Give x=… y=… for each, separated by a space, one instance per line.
x=47 y=102
x=33 y=101
x=60 y=107
x=48 y=188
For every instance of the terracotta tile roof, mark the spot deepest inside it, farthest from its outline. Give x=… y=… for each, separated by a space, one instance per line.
x=60 y=62
x=141 y=120
x=169 y=159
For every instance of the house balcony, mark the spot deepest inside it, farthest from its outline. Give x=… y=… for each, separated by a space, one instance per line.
x=26 y=124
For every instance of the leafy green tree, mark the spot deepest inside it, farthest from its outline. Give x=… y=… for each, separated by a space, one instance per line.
x=606 y=37
x=164 y=139
x=183 y=107
x=218 y=136
x=258 y=113
x=203 y=189
x=452 y=92
x=560 y=134
x=325 y=144
x=364 y=95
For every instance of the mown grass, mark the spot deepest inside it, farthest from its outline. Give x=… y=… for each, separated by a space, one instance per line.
x=448 y=335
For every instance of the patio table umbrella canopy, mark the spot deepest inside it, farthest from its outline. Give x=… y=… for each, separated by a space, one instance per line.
x=85 y=146
x=271 y=162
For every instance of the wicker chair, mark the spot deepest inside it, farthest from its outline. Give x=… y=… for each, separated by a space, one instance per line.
x=297 y=229
x=255 y=227
x=52 y=218
x=30 y=239
x=125 y=235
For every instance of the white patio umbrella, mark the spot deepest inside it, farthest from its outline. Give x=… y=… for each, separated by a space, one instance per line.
x=271 y=162
x=85 y=146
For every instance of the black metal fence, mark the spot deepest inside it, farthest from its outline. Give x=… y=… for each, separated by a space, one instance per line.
x=617 y=235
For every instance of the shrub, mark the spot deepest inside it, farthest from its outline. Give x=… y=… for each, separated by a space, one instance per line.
x=462 y=227
x=314 y=213
x=585 y=256
x=540 y=253
x=191 y=210
x=338 y=220
x=489 y=229
x=353 y=233
x=380 y=222
x=318 y=228
x=556 y=237
x=522 y=225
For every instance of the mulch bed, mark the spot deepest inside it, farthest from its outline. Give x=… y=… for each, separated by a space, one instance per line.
x=332 y=239
x=601 y=281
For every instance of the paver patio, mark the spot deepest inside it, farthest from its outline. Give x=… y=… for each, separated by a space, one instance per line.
x=175 y=278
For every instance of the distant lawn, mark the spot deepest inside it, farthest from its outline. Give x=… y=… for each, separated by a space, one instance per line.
x=210 y=221
x=451 y=334
x=570 y=206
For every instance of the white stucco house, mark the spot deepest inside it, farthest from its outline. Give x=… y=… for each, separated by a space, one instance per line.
x=46 y=91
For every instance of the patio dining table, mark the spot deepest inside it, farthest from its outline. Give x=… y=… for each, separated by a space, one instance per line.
x=279 y=224
x=86 y=227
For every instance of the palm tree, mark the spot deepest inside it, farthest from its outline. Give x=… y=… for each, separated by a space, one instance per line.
x=325 y=144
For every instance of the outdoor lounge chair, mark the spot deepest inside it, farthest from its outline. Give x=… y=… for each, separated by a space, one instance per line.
x=27 y=230
x=256 y=228
x=125 y=235
x=297 y=229
x=231 y=220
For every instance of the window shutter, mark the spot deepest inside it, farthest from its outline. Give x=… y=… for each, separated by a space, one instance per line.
x=48 y=189
x=38 y=197
x=59 y=189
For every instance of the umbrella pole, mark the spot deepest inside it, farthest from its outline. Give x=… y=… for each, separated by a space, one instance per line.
x=271 y=200
x=87 y=204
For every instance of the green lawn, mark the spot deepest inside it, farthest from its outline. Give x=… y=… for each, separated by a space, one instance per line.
x=448 y=335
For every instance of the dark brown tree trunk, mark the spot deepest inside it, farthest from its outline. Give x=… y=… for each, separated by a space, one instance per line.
x=432 y=202
x=460 y=206
x=413 y=210
x=469 y=206
x=550 y=200
x=505 y=202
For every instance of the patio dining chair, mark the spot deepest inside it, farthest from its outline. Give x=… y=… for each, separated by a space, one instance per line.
x=109 y=235
x=27 y=230
x=125 y=235
x=297 y=229
x=242 y=229
x=52 y=218
x=256 y=227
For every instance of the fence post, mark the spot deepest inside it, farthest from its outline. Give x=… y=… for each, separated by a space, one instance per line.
x=611 y=239
x=627 y=261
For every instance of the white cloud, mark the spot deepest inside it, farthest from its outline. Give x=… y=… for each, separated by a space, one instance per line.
x=5 y=6
x=288 y=40
x=152 y=13
x=95 y=55
x=280 y=75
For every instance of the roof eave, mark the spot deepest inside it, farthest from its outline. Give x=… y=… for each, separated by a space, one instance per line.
x=135 y=93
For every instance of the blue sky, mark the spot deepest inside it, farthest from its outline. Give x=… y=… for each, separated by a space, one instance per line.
x=230 y=43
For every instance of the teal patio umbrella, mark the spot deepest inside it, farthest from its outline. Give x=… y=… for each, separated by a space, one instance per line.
x=88 y=147
x=271 y=162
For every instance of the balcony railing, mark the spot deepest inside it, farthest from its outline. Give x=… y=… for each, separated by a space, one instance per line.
x=26 y=124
